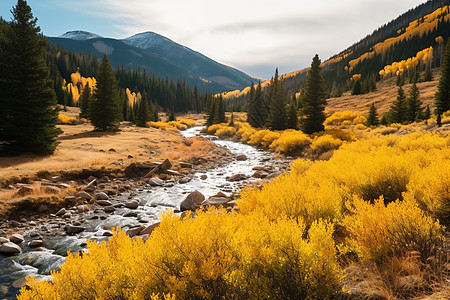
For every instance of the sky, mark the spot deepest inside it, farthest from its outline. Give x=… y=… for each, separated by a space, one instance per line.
x=252 y=36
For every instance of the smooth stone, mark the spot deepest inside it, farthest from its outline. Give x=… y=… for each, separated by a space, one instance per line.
x=107 y=233
x=36 y=243
x=149 y=229
x=132 y=204
x=103 y=202
x=109 y=209
x=131 y=214
x=51 y=189
x=192 y=201
x=61 y=212
x=19 y=283
x=3 y=240
x=42 y=208
x=14 y=223
x=134 y=231
x=184 y=180
x=16 y=238
x=75 y=229
x=101 y=196
x=236 y=177
x=203 y=177
x=84 y=195
x=10 y=248
x=156 y=182
x=241 y=157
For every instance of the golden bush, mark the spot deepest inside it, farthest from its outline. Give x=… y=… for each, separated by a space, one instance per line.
x=290 y=142
x=325 y=143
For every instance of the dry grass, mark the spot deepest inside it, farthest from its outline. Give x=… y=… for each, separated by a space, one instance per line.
x=385 y=94
x=81 y=148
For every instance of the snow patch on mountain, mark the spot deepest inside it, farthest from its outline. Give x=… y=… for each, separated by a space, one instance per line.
x=146 y=40
x=79 y=35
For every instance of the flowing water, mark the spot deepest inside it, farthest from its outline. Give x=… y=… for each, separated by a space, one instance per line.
x=153 y=201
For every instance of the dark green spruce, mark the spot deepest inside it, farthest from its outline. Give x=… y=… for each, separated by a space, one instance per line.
x=372 y=118
x=143 y=113
x=277 y=104
x=314 y=99
x=28 y=102
x=105 y=109
x=85 y=99
x=414 y=104
x=442 y=96
x=398 y=112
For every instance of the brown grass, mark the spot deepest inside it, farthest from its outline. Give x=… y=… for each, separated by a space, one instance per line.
x=385 y=94
x=81 y=148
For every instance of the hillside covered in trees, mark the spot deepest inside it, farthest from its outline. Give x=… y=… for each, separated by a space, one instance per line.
x=414 y=42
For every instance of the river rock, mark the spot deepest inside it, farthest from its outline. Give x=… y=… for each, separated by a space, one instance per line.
x=75 y=229
x=259 y=174
x=192 y=201
x=42 y=208
x=19 y=283
x=134 y=231
x=149 y=229
x=14 y=223
x=81 y=209
x=101 y=196
x=131 y=214
x=236 y=177
x=184 y=180
x=156 y=182
x=241 y=157
x=51 y=189
x=36 y=243
x=185 y=165
x=109 y=209
x=9 y=248
x=103 y=202
x=132 y=204
x=173 y=173
x=216 y=201
x=3 y=240
x=107 y=233
x=61 y=212
x=84 y=195
x=203 y=177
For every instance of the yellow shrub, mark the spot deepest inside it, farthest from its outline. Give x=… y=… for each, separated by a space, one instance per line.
x=226 y=131
x=188 y=122
x=245 y=132
x=178 y=125
x=325 y=143
x=159 y=125
x=349 y=117
x=213 y=128
x=257 y=138
x=215 y=255
x=347 y=136
x=360 y=127
x=290 y=142
x=269 y=138
x=63 y=119
x=378 y=232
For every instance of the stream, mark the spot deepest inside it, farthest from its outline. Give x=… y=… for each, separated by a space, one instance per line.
x=153 y=201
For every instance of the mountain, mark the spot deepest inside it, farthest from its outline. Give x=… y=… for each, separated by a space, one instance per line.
x=158 y=56
x=79 y=35
x=410 y=44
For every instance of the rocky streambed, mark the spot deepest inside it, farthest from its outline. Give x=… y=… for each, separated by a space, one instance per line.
x=40 y=244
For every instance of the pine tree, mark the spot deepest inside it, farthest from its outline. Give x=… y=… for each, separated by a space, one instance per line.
x=372 y=118
x=357 y=89
x=125 y=106
x=277 y=105
x=398 y=112
x=220 y=111
x=314 y=99
x=252 y=112
x=292 y=115
x=171 y=116
x=143 y=111
x=427 y=115
x=261 y=108
x=414 y=104
x=385 y=119
x=105 y=110
x=442 y=96
x=28 y=100
x=211 y=115
x=84 y=101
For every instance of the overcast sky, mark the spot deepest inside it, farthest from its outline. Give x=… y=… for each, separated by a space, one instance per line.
x=253 y=36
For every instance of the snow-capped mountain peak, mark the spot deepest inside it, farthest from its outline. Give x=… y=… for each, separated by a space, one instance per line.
x=79 y=35
x=145 y=40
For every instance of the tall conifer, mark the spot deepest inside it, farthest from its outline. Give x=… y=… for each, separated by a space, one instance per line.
x=105 y=110
x=314 y=99
x=442 y=96
x=277 y=105
x=28 y=100
x=414 y=104
x=372 y=118
x=84 y=101
x=398 y=112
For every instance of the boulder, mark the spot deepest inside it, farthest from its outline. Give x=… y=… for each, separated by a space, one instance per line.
x=149 y=229
x=203 y=177
x=101 y=196
x=132 y=204
x=241 y=157
x=10 y=248
x=236 y=177
x=192 y=201
x=259 y=174
x=107 y=233
x=216 y=201
x=103 y=202
x=84 y=195
x=109 y=209
x=61 y=212
x=134 y=231
x=36 y=243
x=74 y=229
x=3 y=240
